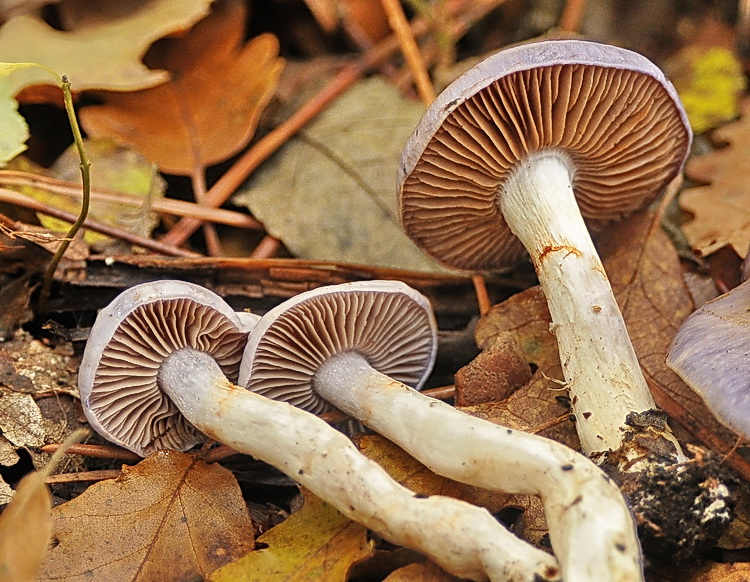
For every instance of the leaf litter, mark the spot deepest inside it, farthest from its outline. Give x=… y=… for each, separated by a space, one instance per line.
x=210 y=107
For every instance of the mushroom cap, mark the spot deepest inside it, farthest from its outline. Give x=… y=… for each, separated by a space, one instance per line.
x=612 y=113
x=130 y=339
x=711 y=354
x=387 y=322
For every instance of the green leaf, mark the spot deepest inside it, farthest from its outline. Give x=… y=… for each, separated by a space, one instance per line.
x=13 y=129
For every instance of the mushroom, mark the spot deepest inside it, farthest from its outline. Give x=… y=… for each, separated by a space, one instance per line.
x=363 y=347
x=514 y=155
x=710 y=353
x=156 y=366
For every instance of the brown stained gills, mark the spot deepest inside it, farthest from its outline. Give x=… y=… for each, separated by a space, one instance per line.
x=617 y=127
x=146 y=338
x=389 y=330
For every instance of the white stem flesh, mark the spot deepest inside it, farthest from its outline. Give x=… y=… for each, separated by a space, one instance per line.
x=463 y=539
x=591 y=529
x=599 y=363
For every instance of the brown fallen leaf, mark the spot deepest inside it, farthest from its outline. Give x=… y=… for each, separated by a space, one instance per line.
x=721 y=206
x=646 y=276
x=316 y=543
x=171 y=517
x=715 y=572
x=526 y=317
x=420 y=572
x=210 y=108
x=101 y=55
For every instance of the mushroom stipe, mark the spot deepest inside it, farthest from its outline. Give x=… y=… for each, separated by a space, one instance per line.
x=342 y=344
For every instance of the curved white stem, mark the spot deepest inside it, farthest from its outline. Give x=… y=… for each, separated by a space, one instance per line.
x=599 y=363
x=591 y=529
x=463 y=539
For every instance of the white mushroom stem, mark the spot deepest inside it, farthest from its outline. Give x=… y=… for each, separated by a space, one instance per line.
x=591 y=529
x=598 y=360
x=463 y=539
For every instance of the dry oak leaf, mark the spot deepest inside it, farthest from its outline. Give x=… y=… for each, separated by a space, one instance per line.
x=526 y=317
x=716 y=572
x=104 y=55
x=315 y=543
x=211 y=107
x=171 y=517
x=421 y=572
x=721 y=206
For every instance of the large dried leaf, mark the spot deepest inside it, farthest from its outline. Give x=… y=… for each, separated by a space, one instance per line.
x=210 y=108
x=168 y=518
x=646 y=276
x=316 y=543
x=105 y=53
x=721 y=207
x=526 y=317
x=25 y=527
x=330 y=193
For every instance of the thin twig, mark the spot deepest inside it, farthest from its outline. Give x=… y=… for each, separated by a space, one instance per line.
x=158 y=205
x=84 y=476
x=483 y=298
x=410 y=49
x=570 y=21
x=19 y=199
x=98 y=451
x=465 y=12
x=85 y=166
x=266 y=248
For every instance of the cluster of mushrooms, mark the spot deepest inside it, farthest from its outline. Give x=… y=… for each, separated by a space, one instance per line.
x=517 y=156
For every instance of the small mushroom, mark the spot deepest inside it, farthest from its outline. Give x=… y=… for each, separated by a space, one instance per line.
x=364 y=346
x=155 y=370
x=512 y=157
x=710 y=353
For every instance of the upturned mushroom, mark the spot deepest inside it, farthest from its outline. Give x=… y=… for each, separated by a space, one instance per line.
x=155 y=370
x=519 y=155
x=710 y=353
x=364 y=347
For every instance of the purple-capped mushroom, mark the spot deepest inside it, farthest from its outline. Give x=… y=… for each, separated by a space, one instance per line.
x=154 y=372
x=364 y=347
x=519 y=155
x=710 y=353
